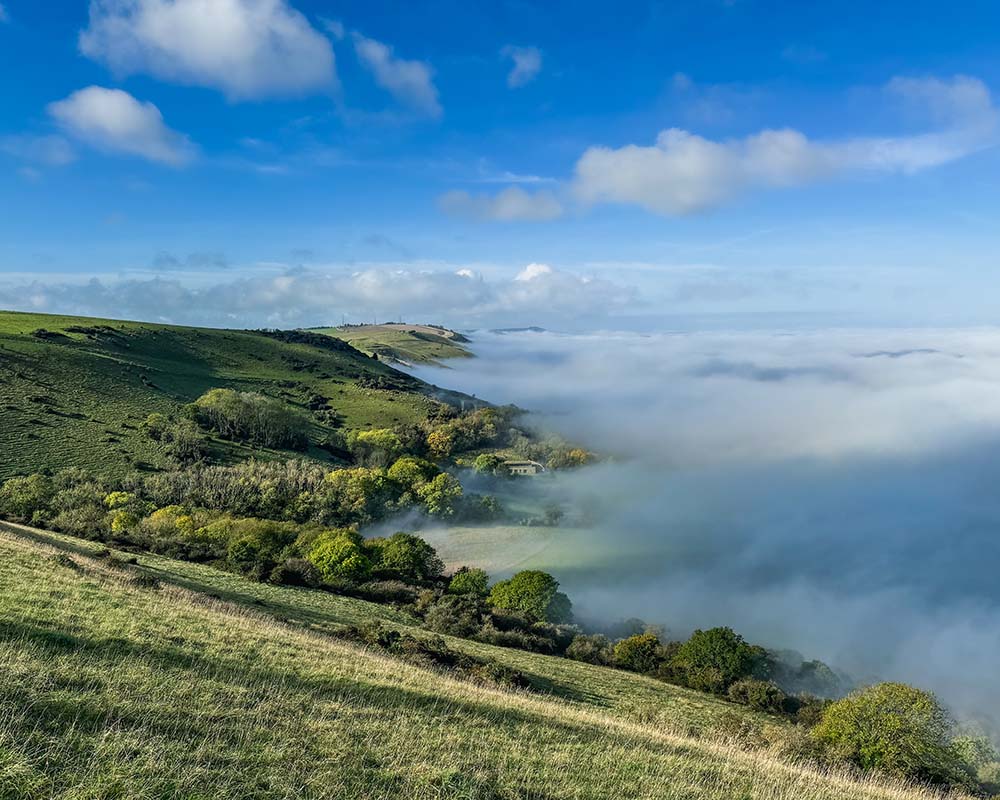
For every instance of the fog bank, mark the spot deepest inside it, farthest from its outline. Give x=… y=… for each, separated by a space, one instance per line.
x=835 y=492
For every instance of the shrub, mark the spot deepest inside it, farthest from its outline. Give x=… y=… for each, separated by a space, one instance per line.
x=712 y=660
x=639 y=653
x=590 y=648
x=255 y=545
x=404 y=556
x=455 y=615
x=533 y=593
x=411 y=472
x=184 y=441
x=758 y=695
x=892 y=728
x=295 y=572
x=491 y=464
x=440 y=495
x=22 y=498
x=337 y=554
x=374 y=448
x=469 y=580
x=155 y=426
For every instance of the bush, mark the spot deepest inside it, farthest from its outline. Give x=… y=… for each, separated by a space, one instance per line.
x=892 y=728
x=639 y=653
x=22 y=498
x=758 y=695
x=440 y=495
x=404 y=556
x=337 y=554
x=374 y=448
x=469 y=580
x=534 y=594
x=591 y=648
x=296 y=572
x=455 y=615
x=714 y=659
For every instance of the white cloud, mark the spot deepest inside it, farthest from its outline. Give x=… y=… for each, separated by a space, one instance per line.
x=410 y=82
x=513 y=204
x=114 y=121
x=684 y=173
x=527 y=64
x=51 y=150
x=312 y=296
x=247 y=49
x=533 y=271
x=334 y=27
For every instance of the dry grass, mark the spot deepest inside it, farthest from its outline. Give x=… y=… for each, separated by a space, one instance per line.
x=109 y=689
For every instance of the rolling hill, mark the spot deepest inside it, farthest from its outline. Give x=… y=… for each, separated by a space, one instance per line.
x=171 y=679
x=404 y=343
x=74 y=391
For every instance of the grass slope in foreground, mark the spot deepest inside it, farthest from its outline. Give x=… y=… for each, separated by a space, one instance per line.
x=74 y=390
x=407 y=344
x=209 y=686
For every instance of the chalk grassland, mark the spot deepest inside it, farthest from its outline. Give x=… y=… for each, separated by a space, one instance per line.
x=411 y=344
x=116 y=688
x=74 y=391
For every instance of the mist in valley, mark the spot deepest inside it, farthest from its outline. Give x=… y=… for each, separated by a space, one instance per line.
x=831 y=491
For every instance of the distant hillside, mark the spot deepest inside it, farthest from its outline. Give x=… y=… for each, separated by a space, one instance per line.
x=169 y=679
x=74 y=391
x=408 y=344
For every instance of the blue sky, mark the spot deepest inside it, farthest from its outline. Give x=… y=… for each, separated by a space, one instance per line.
x=233 y=161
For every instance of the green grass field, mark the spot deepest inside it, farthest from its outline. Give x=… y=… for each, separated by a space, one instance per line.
x=413 y=344
x=73 y=391
x=209 y=686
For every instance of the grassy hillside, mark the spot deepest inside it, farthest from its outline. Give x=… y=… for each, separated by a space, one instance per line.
x=413 y=344
x=73 y=391
x=203 y=685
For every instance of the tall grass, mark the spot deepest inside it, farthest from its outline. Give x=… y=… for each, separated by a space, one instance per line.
x=110 y=688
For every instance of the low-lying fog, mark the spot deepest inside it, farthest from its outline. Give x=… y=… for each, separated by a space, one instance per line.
x=836 y=492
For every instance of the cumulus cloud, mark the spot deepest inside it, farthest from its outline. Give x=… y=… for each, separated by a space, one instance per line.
x=114 y=121
x=527 y=64
x=513 y=204
x=292 y=298
x=248 y=49
x=682 y=173
x=410 y=82
x=51 y=150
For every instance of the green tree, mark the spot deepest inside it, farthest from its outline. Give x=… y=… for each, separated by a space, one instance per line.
x=639 y=653
x=893 y=728
x=533 y=593
x=374 y=448
x=470 y=580
x=337 y=554
x=491 y=464
x=406 y=557
x=411 y=472
x=22 y=498
x=440 y=495
x=356 y=496
x=156 y=425
x=712 y=660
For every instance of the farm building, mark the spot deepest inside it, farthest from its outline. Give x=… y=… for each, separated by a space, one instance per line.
x=524 y=467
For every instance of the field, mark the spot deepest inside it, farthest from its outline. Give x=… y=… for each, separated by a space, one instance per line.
x=408 y=344
x=203 y=685
x=74 y=391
